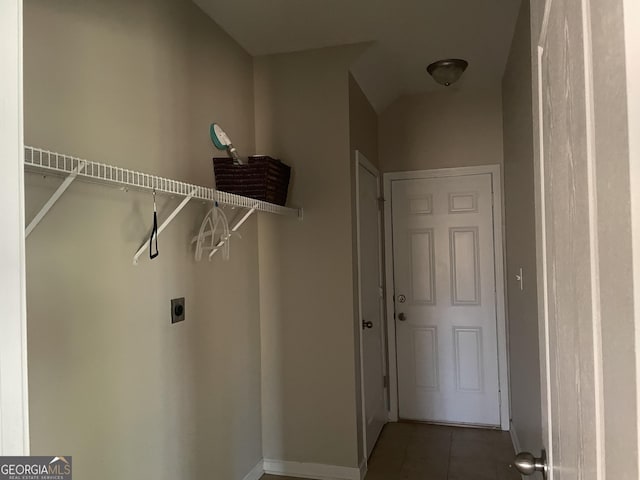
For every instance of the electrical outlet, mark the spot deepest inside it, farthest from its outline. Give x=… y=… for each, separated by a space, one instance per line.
x=177 y=310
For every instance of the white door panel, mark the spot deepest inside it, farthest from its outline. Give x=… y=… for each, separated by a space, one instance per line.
x=444 y=278
x=571 y=325
x=370 y=279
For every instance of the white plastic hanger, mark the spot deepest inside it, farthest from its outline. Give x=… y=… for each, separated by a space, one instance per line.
x=214 y=222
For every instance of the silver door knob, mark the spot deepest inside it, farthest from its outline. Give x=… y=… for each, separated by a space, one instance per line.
x=402 y=317
x=527 y=464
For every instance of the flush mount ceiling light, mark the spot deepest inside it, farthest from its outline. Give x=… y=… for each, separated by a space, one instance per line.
x=447 y=72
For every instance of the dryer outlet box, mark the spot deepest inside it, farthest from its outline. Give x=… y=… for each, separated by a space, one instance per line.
x=177 y=310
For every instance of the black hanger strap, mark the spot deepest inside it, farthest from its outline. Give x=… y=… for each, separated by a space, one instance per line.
x=154 y=232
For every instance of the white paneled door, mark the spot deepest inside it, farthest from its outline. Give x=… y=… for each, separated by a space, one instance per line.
x=445 y=300
x=571 y=330
x=371 y=301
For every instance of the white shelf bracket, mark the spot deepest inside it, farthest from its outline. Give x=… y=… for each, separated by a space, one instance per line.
x=54 y=198
x=164 y=225
x=235 y=228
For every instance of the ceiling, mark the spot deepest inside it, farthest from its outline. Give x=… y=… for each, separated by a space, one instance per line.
x=406 y=36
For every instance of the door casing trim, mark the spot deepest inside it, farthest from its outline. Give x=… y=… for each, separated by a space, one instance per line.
x=14 y=385
x=498 y=235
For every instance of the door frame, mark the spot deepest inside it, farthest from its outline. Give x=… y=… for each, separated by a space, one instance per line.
x=632 y=61
x=498 y=236
x=14 y=406
x=361 y=160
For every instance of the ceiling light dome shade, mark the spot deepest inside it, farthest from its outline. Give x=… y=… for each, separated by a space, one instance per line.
x=447 y=72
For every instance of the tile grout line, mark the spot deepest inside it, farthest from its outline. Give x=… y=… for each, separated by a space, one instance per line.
x=404 y=455
x=450 y=453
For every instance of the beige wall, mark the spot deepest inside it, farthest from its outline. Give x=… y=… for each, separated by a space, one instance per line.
x=309 y=372
x=363 y=123
x=111 y=381
x=521 y=239
x=447 y=128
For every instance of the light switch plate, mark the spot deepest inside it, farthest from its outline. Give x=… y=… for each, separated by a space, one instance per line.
x=177 y=310
x=520 y=279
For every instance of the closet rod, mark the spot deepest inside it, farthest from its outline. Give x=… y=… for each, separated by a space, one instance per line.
x=39 y=160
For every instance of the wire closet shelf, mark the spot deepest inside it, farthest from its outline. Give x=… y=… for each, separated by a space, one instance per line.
x=39 y=160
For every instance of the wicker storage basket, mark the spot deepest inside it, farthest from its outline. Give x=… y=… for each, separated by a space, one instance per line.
x=263 y=178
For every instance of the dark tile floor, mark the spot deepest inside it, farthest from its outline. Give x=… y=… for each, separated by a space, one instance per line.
x=412 y=451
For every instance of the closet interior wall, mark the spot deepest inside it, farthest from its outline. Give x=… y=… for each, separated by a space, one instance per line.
x=111 y=381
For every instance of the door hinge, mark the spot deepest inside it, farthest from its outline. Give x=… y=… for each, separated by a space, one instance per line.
x=381 y=201
x=385 y=381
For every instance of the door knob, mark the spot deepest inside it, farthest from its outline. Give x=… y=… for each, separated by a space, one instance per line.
x=527 y=464
x=402 y=317
x=367 y=324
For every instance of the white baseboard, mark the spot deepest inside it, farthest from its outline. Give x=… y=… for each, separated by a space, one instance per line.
x=256 y=472
x=315 y=471
x=514 y=439
x=516 y=443
x=363 y=468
